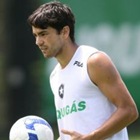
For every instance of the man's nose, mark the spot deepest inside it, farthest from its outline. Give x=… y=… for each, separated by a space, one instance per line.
x=39 y=41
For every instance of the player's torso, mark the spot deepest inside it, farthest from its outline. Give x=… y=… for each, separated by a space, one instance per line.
x=72 y=84
x=80 y=105
x=75 y=95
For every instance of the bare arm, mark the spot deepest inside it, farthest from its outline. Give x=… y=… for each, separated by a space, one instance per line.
x=104 y=74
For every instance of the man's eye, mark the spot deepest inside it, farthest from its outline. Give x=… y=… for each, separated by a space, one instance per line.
x=43 y=34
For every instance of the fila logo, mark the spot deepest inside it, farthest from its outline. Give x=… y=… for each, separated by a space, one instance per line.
x=61 y=91
x=79 y=64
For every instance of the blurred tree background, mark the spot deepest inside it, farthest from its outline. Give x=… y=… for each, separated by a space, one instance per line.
x=20 y=64
x=112 y=26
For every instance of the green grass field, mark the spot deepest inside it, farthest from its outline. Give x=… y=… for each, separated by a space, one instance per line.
x=134 y=137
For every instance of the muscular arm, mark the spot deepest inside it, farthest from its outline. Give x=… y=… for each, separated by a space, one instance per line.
x=104 y=74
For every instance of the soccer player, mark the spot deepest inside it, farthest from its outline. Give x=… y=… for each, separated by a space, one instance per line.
x=91 y=99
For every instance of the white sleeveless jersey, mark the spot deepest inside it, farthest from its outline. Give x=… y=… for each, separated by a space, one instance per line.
x=80 y=105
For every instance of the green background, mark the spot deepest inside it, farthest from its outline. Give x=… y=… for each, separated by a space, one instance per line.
x=114 y=27
x=120 y=18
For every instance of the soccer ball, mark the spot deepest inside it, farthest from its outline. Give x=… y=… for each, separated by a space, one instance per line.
x=31 y=128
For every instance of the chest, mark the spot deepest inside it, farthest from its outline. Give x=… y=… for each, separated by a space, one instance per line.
x=72 y=85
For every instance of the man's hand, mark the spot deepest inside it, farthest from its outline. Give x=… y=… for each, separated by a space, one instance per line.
x=74 y=135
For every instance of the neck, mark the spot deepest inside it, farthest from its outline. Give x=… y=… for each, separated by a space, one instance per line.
x=66 y=54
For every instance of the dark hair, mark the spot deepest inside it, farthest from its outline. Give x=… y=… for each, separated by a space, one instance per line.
x=55 y=15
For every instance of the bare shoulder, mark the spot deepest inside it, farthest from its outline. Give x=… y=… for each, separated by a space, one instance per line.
x=99 y=59
x=101 y=68
x=104 y=74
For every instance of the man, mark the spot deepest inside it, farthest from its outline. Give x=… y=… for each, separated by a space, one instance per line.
x=92 y=102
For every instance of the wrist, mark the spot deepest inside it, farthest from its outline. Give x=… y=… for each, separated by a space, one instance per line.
x=94 y=136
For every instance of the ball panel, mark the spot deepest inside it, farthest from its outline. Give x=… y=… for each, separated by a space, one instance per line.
x=18 y=131
x=44 y=131
x=32 y=136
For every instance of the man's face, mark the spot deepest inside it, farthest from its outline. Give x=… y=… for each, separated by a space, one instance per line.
x=48 y=40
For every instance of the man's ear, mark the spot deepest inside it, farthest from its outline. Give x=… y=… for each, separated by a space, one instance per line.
x=65 y=32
